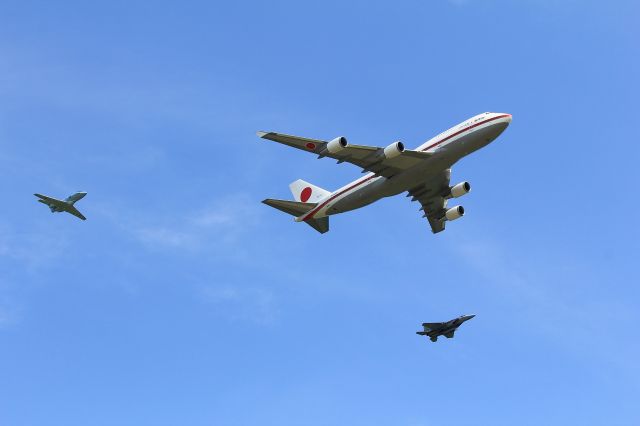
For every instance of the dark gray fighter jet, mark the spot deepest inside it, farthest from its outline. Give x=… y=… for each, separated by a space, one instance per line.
x=446 y=329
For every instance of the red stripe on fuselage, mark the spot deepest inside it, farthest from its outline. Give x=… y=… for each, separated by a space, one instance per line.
x=333 y=196
x=464 y=130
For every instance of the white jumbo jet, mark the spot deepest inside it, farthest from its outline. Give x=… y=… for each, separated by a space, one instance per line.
x=424 y=172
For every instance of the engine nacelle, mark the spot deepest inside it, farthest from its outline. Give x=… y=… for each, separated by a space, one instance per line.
x=393 y=150
x=459 y=190
x=454 y=213
x=337 y=145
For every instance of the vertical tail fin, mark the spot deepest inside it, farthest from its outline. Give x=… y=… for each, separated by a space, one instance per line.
x=307 y=193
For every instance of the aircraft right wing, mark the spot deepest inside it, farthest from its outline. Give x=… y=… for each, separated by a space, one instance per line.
x=433 y=203
x=370 y=158
x=74 y=211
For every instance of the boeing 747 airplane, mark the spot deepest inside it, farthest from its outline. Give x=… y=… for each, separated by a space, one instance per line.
x=424 y=172
x=66 y=205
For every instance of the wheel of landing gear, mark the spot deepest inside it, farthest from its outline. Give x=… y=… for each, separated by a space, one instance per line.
x=434 y=339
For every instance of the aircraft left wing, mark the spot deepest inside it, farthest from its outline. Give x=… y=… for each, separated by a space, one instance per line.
x=434 y=204
x=369 y=158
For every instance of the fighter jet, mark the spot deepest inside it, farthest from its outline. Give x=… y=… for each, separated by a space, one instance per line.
x=446 y=329
x=66 y=205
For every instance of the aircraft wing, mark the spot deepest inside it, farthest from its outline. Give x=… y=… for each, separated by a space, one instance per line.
x=429 y=326
x=369 y=158
x=51 y=201
x=74 y=211
x=433 y=203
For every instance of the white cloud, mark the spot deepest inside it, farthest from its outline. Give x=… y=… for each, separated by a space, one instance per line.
x=238 y=303
x=224 y=222
x=166 y=238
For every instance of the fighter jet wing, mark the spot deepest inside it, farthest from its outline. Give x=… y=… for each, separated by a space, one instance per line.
x=51 y=201
x=369 y=158
x=74 y=211
x=433 y=202
x=428 y=326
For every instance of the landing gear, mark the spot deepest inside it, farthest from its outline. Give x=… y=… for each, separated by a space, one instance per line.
x=434 y=338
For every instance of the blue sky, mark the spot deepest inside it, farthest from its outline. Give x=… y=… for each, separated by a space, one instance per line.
x=183 y=300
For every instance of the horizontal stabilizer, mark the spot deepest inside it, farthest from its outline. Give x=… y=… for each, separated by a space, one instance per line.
x=321 y=225
x=293 y=208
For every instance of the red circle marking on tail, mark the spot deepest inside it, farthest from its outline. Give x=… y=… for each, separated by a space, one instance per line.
x=305 y=194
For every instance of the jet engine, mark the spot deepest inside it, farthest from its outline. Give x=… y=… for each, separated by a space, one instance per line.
x=337 y=145
x=454 y=213
x=459 y=190
x=393 y=150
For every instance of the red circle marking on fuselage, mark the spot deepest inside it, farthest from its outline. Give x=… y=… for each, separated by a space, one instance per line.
x=311 y=146
x=305 y=194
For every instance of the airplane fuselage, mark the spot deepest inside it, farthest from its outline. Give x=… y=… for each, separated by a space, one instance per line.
x=447 y=148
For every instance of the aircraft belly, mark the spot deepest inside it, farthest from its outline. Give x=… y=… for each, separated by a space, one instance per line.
x=472 y=142
x=355 y=200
